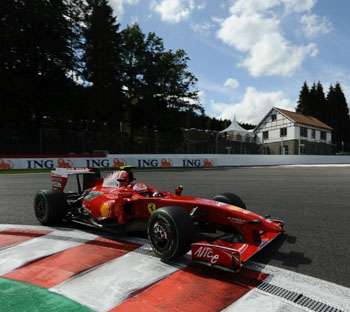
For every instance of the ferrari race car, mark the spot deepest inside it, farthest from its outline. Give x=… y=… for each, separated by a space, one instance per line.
x=220 y=231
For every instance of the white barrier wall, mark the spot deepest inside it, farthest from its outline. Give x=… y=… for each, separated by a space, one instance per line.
x=170 y=160
x=50 y=162
x=210 y=160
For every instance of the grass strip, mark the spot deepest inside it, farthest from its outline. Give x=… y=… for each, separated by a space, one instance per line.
x=22 y=297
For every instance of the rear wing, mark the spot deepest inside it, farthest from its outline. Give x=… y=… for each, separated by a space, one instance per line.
x=59 y=177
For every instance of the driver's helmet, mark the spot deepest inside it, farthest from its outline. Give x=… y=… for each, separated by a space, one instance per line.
x=141 y=189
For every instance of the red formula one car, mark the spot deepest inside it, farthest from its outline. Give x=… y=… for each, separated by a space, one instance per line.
x=220 y=231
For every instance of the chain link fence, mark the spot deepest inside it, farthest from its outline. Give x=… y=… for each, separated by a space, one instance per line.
x=41 y=141
x=54 y=141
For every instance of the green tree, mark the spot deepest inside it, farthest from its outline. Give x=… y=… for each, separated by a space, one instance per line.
x=320 y=99
x=339 y=114
x=247 y=126
x=175 y=92
x=304 y=106
x=132 y=54
x=34 y=59
x=102 y=65
x=313 y=105
x=317 y=102
x=157 y=83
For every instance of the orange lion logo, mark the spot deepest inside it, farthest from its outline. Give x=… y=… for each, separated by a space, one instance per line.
x=208 y=162
x=6 y=164
x=119 y=162
x=64 y=164
x=166 y=163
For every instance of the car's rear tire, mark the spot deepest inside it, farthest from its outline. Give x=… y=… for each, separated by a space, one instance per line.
x=230 y=198
x=170 y=232
x=50 y=206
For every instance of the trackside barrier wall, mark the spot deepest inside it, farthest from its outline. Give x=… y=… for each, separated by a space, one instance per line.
x=166 y=160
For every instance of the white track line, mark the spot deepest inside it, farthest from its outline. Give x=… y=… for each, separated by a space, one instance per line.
x=329 y=293
x=17 y=255
x=254 y=301
x=109 y=284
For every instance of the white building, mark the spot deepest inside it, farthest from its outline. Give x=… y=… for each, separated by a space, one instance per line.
x=235 y=132
x=236 y=140
x=286 y=132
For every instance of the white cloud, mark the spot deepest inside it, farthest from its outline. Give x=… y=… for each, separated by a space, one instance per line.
x=253 y=107
x=315 y=26
x=290 y=6
x=202 y=96
x=231 y=83
x=243 y=32
x=203 y=29
x=175 y=11
x=254 y=27
x=207 y=85
x=298 y=6
x=118 y=6
x=201 y=6
x=273 y=55
x=252 y=6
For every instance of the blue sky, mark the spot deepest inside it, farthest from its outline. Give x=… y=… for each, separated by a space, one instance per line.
x=251 y=55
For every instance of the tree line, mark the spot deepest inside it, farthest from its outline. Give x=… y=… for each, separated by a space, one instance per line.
x=67 y=65
x=332 y=109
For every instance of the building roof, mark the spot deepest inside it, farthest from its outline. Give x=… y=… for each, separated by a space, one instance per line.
x=234 y=126
x=303 y=119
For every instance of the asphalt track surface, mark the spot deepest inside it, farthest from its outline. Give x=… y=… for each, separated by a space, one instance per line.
x=314 y=203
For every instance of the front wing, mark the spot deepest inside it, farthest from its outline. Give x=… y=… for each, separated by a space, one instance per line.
x=228 y=255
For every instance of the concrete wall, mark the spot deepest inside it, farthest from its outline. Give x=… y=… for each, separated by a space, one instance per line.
x=309 y=148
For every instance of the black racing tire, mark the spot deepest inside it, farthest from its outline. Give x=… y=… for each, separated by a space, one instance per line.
x=50 y=206
x=230 y=198
x=170 y=231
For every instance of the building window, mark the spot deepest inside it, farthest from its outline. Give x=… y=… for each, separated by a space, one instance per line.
x=265 y=135
x=323 y=135
x=273 y=117
x=284 y=150
x=313 y=133
x=266 y=150
x=283 y=132
x=302 y=149
x=303 y=132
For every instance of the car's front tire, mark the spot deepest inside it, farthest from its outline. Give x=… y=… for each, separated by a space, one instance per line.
x=230 y=198
x=170 y=232
x=50 y=206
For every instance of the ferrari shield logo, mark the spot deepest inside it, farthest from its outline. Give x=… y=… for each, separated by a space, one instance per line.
x=151 y=208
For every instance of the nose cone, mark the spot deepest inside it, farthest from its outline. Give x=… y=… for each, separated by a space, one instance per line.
x=272 y=226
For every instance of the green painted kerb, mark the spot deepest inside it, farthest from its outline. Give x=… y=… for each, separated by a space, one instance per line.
x=22 y=297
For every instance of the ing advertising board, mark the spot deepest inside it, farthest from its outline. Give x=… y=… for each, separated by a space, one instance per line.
x=109 y=161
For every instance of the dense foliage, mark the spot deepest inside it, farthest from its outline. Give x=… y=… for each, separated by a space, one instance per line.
x=66 y=65
x=331 y=109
